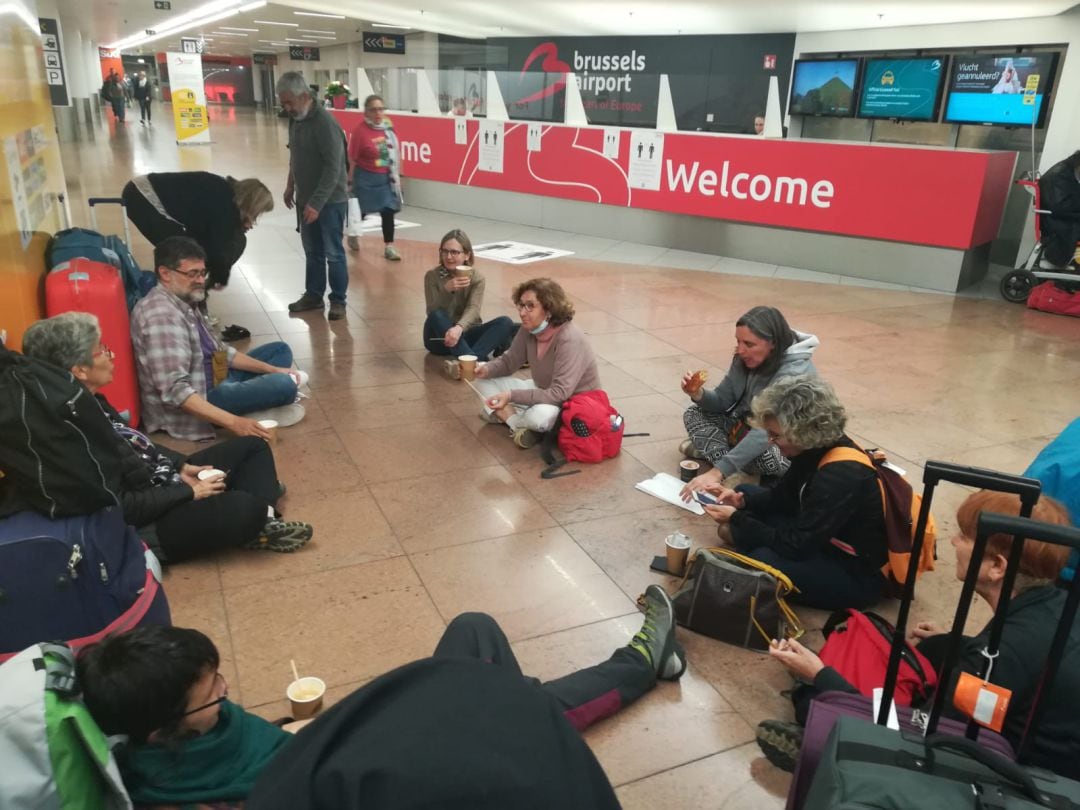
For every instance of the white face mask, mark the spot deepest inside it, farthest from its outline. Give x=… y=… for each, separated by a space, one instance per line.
x=540 y=328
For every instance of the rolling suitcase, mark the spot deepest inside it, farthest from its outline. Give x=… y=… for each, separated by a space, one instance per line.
x=868 y=766
x=81 y=285
x=74 y=580
x=821 y=718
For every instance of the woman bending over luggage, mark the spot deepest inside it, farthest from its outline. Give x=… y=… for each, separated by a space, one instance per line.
x=1033 y=613
x=454 y=292
x=766 y=349
x=824 y=524
x=162 y=494
x=559 y=357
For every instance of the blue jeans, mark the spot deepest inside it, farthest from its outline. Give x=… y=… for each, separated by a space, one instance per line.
x=119 y=108
x=245 y=391
x=480 y=340
x=324 y=252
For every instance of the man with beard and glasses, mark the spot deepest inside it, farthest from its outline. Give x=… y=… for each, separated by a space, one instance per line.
x=189 y=380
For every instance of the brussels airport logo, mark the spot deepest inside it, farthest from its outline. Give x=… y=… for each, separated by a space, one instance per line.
x=605 y=64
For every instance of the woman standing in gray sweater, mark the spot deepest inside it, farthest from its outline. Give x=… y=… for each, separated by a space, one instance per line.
x=559 y=356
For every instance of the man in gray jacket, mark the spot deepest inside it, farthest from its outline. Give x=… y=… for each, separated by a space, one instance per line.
x=316 y=186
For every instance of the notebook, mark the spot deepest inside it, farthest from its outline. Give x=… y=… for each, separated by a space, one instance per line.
x=667 y=488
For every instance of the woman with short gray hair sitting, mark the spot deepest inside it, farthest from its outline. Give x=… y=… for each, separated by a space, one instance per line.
x=823 y=524
x=178 y=513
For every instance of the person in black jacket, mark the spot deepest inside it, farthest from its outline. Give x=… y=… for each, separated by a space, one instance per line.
x=179 y=514
x=144 y=94
x=824 y=524
x=215 y=211
x=1032 y=617
x=1059 y=193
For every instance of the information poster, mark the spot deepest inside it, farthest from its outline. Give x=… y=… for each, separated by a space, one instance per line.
x=646 y=157
x=612 y=137
x=492 y=145
x=533 y=137
x=24 y=155
x=188 y=98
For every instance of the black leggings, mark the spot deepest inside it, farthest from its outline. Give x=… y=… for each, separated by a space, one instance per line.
x=232 y=518
x=387 y=226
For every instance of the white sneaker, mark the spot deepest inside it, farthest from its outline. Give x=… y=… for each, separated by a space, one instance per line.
x=284 y=415
x=300 y=376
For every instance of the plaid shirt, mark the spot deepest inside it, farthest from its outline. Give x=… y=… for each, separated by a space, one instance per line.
x=169 y=357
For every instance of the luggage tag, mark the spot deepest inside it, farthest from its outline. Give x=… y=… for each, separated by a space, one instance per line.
x=984 y=702
x=219 y=364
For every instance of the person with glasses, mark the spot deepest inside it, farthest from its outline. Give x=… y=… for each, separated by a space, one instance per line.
x=189 y=380
x=176 y=513
x=559 y=356
x=376 y=171
x=454 y=298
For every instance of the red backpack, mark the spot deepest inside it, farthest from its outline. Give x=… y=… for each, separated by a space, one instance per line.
x=591 y=428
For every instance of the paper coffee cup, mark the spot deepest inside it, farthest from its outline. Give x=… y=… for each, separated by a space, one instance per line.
x=468 y=366
x=205 y=475
x=271 y=425
x=678 y=549
x=463 y=270
x=305 y=696
x=688 y=470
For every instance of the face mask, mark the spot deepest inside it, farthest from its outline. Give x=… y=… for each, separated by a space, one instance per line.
x=540 y=328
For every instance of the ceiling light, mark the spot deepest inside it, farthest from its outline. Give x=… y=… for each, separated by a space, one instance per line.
x=316 y=36
x=272 y=22
x=301 y=39
x=387 y=25
x=317 y=14
x=314 y=31
x=234 y=28
x=228 y=34
x=253 y=6
x=202 y=15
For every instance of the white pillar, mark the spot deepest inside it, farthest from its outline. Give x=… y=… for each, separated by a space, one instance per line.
x=665 y=108
x=496 y=107
x=774 y=127
x=574 y=110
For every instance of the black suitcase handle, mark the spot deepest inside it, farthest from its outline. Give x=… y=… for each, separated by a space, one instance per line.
x=990 y=759
x=937 y=471
x=105 y=201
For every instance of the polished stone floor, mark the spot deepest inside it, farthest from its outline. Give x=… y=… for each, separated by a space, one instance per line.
x=421 y=511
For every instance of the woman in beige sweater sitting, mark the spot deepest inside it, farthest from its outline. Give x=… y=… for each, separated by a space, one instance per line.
x=454 y=292
x=559 y=356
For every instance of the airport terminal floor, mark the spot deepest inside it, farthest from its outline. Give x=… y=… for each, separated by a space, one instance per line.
x=422 y=511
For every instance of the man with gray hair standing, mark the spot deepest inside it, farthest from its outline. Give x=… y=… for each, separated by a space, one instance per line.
x=317 y=187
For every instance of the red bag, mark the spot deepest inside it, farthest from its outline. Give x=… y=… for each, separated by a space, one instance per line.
x=857 y=646
x=591 y=429
x=1048 y=297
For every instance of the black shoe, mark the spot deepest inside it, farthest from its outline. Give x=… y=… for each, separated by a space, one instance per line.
x=780 y=742
x=306 y=302
x=234 y=332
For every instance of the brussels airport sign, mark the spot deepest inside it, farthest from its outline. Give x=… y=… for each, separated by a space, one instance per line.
x=846 y=189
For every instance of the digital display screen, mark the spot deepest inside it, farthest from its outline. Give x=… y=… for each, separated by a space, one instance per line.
x=1007 y=89
x=906 y=89
x=824 y=87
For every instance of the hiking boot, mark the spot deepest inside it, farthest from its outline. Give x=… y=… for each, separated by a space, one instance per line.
x=281 y=536
x=337 y=311
x=306 y=302
x=353 y=242
x=686 y=447
x=780 y=742
x=525 y=438
x=392 y=254
x=656 y=638
x=451 y=369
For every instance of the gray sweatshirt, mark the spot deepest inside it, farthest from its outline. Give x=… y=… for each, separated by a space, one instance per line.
x=317 y=159
x=739 y=387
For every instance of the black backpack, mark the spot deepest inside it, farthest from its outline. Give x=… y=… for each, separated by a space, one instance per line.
x=58 y=451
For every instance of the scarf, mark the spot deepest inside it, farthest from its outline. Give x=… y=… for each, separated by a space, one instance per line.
x=393 y=165
x=545 y=339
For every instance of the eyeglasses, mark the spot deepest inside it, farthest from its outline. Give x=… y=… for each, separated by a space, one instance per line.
x=450 y=252
x=104 y=350
x=375 y=109
x=224 y=695
x=194 y=275
x=528 y=306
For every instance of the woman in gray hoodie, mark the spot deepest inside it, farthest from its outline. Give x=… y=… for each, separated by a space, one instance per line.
x=766 y=349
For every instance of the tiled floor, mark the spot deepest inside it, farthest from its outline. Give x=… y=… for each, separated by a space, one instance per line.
x=421 y=511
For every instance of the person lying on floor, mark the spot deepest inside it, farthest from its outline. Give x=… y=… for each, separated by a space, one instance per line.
x=823 y=524
x=179 y=515
x=189 y=380
x=717 y=421
x=1034 y=610
x=454 y=298
x=423 y=735
x=559 y=356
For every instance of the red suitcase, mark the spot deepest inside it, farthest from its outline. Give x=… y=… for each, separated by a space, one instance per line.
x=1049 y=297
x=81 y=285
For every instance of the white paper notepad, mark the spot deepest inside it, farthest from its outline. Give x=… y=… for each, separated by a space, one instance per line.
x=667 y=488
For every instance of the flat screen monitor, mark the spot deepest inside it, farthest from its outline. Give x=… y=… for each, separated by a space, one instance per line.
x=905 y=89
x=824 y=87
x=1003 y=89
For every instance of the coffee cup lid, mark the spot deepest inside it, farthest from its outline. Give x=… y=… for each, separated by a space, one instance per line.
x=269 y=424
x=468 y=358
x=204 y=474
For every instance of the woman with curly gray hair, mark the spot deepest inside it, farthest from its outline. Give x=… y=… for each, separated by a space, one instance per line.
x=824 y=524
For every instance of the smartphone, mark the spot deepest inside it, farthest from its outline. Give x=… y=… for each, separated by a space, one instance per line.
x=705 y=498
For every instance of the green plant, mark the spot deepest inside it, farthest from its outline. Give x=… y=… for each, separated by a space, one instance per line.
x=337 y=89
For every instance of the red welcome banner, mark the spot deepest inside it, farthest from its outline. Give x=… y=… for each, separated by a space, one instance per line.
x=925 y=196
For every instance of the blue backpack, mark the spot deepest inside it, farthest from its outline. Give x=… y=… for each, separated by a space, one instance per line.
x=83 y=243
x=1057 y=467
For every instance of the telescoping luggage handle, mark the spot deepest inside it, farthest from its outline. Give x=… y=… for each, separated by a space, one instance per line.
x=95 y=201
x=1028 y=489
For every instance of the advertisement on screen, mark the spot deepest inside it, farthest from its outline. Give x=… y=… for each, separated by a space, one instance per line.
x=824 y=87
x=904 y=89
x=1006 y=89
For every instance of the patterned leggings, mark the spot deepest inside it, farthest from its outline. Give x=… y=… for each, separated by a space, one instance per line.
x=709 y=434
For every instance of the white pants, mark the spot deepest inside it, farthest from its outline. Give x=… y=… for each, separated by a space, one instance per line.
x=540 y=418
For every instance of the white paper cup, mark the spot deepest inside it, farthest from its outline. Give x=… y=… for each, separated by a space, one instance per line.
x=468 y=366
x=305 y=696
x=206 y=475
x=272 y=426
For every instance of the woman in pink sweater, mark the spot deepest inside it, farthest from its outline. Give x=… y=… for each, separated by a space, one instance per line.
x=559 y=357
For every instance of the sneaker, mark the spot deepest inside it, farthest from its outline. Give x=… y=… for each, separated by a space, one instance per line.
x=353 y=242
x=305 y=302
x=300 y=376
x=337 y=311
x=489 y=417
x=284 y=415
x=656 y=638
x=525 y=438
x=392 y=254
x=281 y=536
x=451 y=369
x=686 y=447
x=780 y=742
